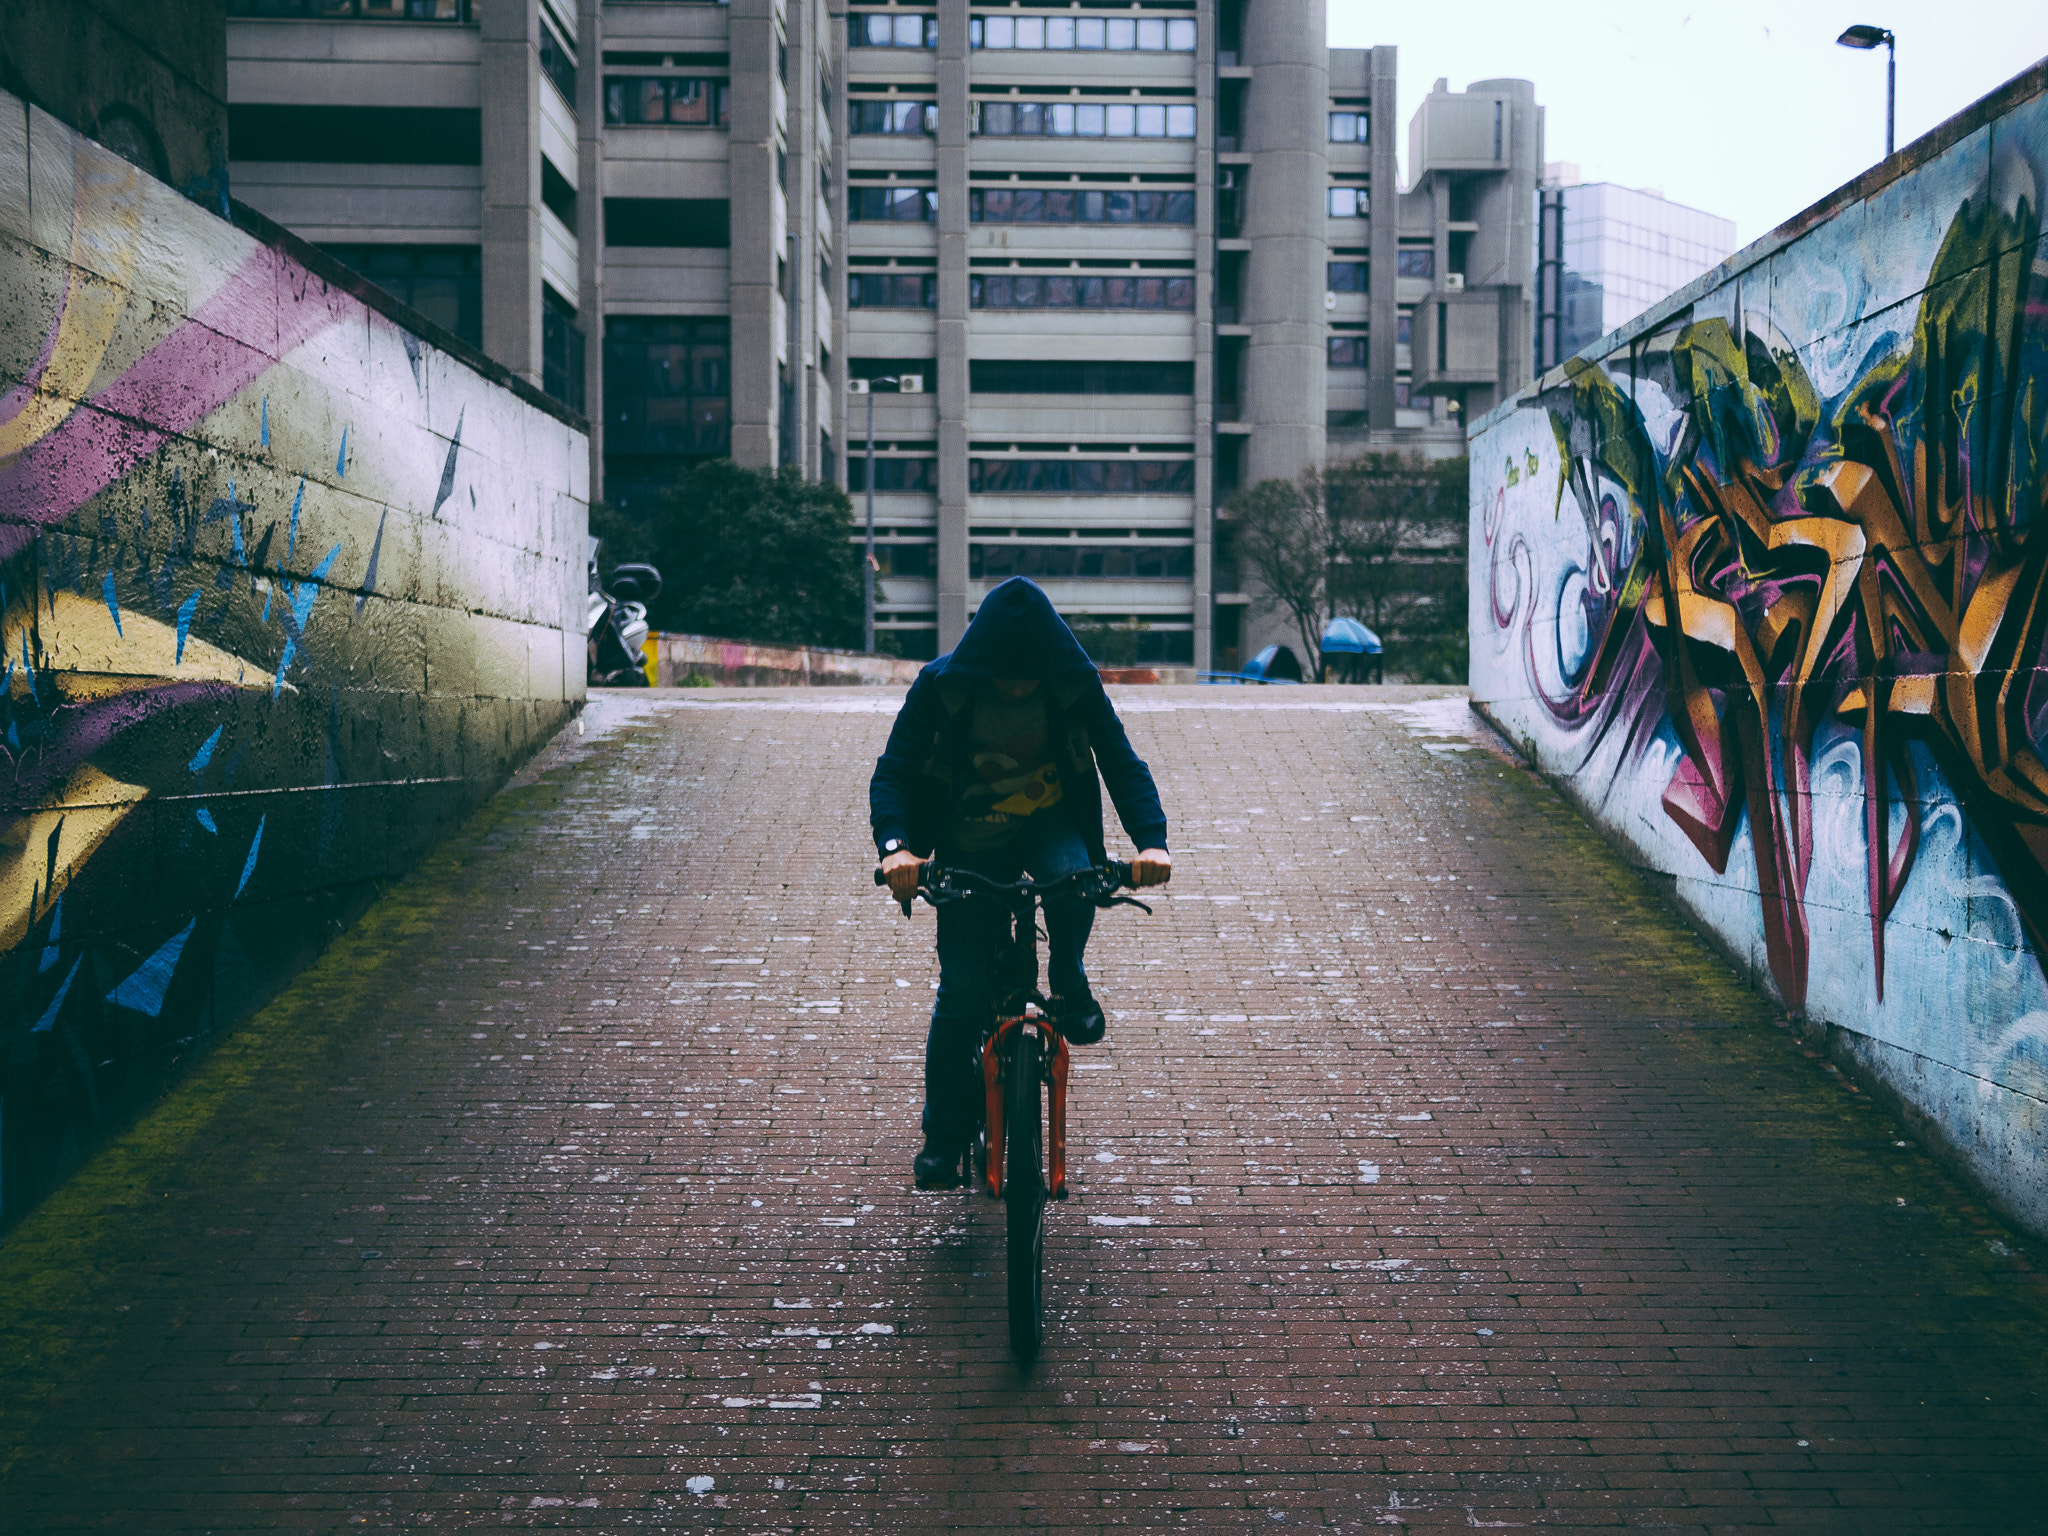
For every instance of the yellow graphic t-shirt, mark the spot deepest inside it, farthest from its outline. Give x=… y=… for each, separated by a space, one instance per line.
x=1013 y=773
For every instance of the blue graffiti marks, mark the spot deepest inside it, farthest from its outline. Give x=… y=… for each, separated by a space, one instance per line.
x=249 y=864
x=113 y=601
x=185 y=611
x=205 y=753
x=43 y=1025
x=341 y=458
x=146 y=985
x=296 y=612
x=291 y=545
x=376 y=552
x=447 y=487
x=265 y=437
x=50 y=939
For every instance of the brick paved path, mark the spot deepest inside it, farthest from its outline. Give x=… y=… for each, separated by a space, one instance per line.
x=1432 y=1175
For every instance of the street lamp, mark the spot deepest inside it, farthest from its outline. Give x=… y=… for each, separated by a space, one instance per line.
x=1864 y=38
x=903 y=384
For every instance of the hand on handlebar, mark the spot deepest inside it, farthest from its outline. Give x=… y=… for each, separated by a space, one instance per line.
x=1152 y=866
x=899 y=872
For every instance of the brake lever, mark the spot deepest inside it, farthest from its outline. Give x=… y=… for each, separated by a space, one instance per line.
x=1128 y=901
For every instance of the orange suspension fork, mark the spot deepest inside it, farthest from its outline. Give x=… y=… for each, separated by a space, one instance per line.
x=1057 y=1139
x=991 y=1079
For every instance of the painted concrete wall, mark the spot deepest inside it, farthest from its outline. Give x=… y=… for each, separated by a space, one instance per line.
x=1762 y=579
x=284 y=585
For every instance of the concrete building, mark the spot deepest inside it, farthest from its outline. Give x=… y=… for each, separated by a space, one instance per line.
x=1624 y=248
x=1129 y=253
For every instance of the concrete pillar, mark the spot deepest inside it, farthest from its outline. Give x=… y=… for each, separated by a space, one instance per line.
x=758 y=251
x=1382 y=242
x=1285 y=365
x=953 y=401
x=590 y=224
x=1205 y=334
x=510 y=83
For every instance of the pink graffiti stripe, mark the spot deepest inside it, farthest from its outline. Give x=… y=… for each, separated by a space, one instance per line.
x=266 y=308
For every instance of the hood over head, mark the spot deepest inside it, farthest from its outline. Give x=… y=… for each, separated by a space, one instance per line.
x=1017 y=633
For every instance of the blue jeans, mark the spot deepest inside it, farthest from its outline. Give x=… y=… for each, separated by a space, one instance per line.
x=970 y=932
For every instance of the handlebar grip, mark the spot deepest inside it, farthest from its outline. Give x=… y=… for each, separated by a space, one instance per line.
x=880 y=878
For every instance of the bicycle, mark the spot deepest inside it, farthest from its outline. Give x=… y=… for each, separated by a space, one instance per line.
x=1017 y=1151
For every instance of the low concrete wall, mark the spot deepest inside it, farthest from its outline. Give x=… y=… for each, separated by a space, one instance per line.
x=680 y=659
x=1760 y=579
x=288 y=578
x=739 y=664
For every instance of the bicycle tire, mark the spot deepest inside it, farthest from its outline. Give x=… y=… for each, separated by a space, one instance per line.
x=1024 y=1197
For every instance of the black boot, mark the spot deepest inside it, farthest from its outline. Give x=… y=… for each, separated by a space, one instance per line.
x=1079 y=1018
x=937 y=1165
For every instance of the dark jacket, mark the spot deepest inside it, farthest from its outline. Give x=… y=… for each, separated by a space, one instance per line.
x=1016 y=633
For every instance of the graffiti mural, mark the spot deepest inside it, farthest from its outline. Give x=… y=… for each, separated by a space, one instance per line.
x=1763 y=579
x=282 y=588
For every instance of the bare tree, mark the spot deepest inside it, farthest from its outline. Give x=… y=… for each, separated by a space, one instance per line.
x=1284 y=535
x=1380 y=538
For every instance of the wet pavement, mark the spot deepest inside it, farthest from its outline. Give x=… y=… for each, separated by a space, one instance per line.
x=1433 y=1174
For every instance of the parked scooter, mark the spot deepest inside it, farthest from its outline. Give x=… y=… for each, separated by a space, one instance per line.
x=617 y=623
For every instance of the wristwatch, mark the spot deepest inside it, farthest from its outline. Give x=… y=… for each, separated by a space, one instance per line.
x=893 y=845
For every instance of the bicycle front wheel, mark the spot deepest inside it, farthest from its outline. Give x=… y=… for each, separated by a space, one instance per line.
x=1024 y=1196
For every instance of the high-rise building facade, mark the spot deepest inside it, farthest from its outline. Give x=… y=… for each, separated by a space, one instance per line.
x=1128 y=256
x=1624 y=248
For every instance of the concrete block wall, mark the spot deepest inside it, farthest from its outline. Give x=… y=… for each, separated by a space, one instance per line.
x=1761 y=578
x=287 y=580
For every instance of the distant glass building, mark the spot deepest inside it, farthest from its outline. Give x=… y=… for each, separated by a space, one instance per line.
x=1624 y=249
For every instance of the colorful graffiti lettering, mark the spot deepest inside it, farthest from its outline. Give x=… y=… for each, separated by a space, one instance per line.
x=206 y=674
x=1778 y=615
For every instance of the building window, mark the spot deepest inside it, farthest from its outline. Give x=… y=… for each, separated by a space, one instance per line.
x=891 y=290
x=1086 y=562
x=1047 y=377
x=676 y=100
x=667 y=386
x=442 y=282
x=1402 y=398
x=1081 y=477
x=561 y=349
x=1082 y=120
x=872 y=29
x=1349 y=203
x=894 y=475
x=356 y=10
x=1349 y=127
x=1346 y=277
x=1023 y=205
x=558 y=63
x=903 y=205
x=1086 y=34
x=1415 y=263
x=356 y=135
x=892 y=116
x=1346 y=351
x=556 y=195
x=1065 y=292
x=701 y=223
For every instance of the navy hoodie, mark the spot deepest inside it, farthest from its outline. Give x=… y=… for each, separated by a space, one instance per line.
x=914 y=794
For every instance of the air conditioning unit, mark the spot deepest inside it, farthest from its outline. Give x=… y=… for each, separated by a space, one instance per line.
x=910 y=384
x=1454 y=282
x=856 y=386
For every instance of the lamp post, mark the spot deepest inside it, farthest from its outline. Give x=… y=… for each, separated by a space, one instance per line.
x=1864 y=38
x=867 y=568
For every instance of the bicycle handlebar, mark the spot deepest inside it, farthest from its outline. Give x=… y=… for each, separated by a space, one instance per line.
x=937 y=886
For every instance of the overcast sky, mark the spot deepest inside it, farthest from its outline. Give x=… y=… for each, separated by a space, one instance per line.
x=1743 y=108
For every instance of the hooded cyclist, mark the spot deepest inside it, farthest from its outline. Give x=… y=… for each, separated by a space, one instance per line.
x=992 y=767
